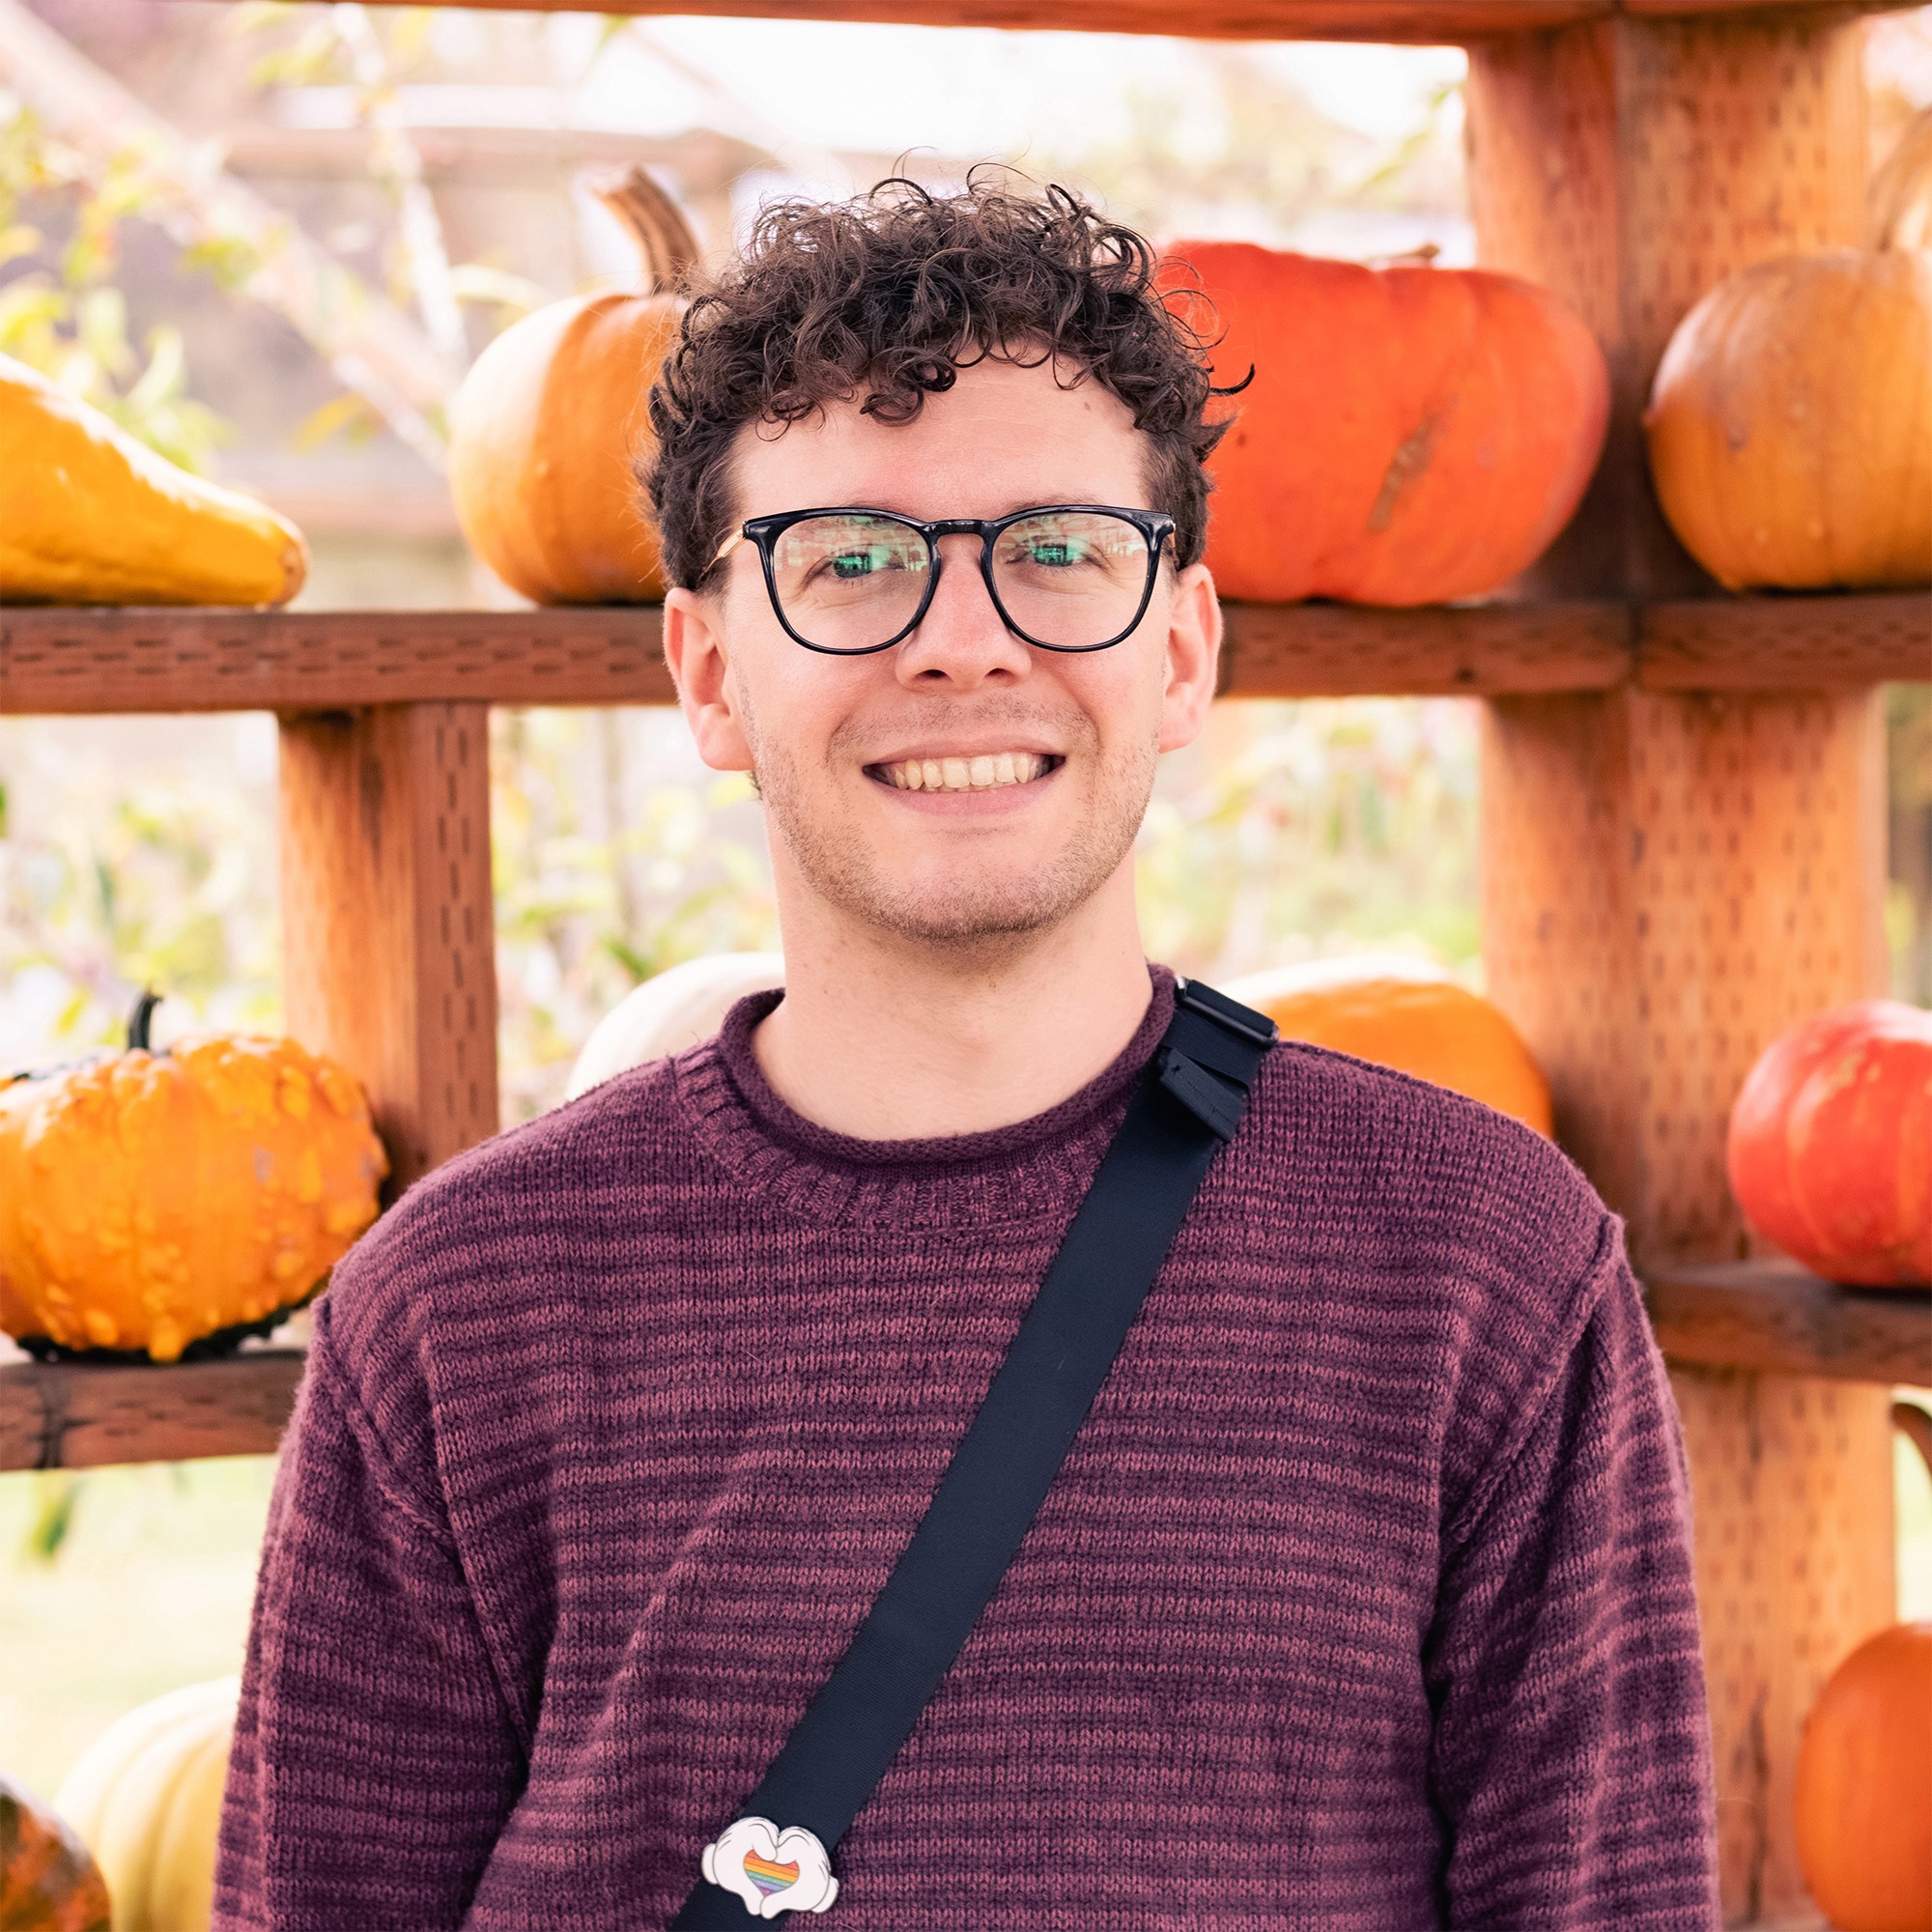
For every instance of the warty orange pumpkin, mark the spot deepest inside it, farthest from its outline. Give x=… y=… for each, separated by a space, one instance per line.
x=550 y=425
x=48 y=1882
x=149 y=1201
x=1414 y=1019
x=1829 y=1146
x=1412 y=435
x=1862 y=1792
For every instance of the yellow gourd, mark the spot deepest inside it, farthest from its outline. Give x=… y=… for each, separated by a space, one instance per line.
x=149 y=1199
x=145 y=1797
x=88 y=515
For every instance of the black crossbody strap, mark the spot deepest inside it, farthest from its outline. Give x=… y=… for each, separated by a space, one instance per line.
x=1190 y=1104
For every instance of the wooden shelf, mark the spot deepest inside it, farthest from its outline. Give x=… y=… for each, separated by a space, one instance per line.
x=1750 y=1315
x=1772 y=1315
x=92 y=661
x=1423 y=22
x=88 y=661
x=1785 y=643
x=71 y=1415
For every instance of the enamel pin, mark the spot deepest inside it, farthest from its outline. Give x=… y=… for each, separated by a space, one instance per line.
x=772 y=1871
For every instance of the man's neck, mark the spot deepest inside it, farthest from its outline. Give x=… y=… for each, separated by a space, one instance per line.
x=887 y=1039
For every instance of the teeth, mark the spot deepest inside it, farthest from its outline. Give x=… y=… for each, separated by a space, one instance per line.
x=985 y=772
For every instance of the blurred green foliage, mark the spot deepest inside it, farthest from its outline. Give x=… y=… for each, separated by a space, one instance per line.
x=64 y=316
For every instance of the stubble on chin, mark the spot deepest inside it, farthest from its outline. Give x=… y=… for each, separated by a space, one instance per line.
x=975 y=909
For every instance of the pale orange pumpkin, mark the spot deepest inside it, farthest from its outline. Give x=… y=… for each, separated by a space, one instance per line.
x=1412 y=434
x=1790 y=424
x=551 y=423
x=1862 y=1794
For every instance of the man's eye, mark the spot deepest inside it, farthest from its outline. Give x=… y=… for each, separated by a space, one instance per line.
x=1054 y=553
x=854 y=563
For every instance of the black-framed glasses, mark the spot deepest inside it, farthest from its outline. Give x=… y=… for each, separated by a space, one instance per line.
x=1067 y=576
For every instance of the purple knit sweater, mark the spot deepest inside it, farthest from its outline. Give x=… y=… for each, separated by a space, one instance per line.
x=1363 y=1599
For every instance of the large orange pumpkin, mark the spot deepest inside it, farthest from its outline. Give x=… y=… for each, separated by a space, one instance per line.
x=1863 y=1795
x=1790 y=423
x=550 y=423
x=1415 y=1021
x=48 y=1882
x=1831 y=1143
x=1412 y=434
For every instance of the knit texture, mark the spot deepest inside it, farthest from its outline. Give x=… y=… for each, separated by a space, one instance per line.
x=1363 y=1599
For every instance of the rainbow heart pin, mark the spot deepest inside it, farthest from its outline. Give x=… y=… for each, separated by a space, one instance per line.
x=771 y=1872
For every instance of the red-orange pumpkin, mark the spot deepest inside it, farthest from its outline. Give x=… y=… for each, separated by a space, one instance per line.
x=1831 y=1143
x=1862 y=1794
x=1412 y=434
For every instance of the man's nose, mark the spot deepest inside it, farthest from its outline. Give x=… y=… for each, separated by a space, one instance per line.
x=961 y=640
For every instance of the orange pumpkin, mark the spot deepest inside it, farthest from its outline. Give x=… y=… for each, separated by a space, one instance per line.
x=47 y=1881
x=1863 y=1795
x=550 y=424
x=1790 y=424
x=1412 y=434
x=1419 y=1023
x=162 y=1202
x=1831 y=1143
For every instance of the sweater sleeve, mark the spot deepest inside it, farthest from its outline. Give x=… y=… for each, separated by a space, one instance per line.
x=1572 y=1757
x=374 y=1762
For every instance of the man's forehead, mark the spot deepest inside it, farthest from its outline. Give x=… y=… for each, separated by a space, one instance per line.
x=1008 y=435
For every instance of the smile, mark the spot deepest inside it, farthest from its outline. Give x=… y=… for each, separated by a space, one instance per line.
x=983 y=772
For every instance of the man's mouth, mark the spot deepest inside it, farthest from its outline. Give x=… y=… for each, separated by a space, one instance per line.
x=984 y=770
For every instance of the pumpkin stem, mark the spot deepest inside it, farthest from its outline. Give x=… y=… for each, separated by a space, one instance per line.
x=141 y=1020
x=666 y=246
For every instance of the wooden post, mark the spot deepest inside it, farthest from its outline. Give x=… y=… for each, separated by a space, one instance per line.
x=387 y=935
x=1670 y=880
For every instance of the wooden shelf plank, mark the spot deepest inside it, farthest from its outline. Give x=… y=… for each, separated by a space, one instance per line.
x=84 y=661
x=1417 y=23
x=1785 y=643
x=117 y=660
x=1772 y=1315
x=1342 y=650
x=72 y=1415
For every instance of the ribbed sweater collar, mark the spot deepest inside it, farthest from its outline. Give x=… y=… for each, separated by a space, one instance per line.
x=1033 y=1169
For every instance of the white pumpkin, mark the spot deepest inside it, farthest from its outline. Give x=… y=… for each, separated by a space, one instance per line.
x=146 y=1800
x=670 y=1010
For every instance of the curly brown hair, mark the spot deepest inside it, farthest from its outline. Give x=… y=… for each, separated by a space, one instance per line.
x=894 y=294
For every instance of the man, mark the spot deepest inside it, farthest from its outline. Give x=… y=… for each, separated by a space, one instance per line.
x=1363 y=1598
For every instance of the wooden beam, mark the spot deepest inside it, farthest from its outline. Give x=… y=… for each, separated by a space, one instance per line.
x=102 y=660
x=1773 y=1315
x=72 y=1415
x=1339 y=650
x=1785 y=643
x=389 y=943
x=1671 y=875
x=1421 y=22
x=89 y=661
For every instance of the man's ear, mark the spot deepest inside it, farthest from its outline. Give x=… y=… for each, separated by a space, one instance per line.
x=693 y=649
x=1193 y=657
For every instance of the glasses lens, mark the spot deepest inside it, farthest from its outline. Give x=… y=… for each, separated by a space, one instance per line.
x=1071 y=578
x=849 y=583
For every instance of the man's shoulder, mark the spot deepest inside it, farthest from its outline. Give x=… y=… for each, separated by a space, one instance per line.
x=493 y=1222
x=1414 y=1176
